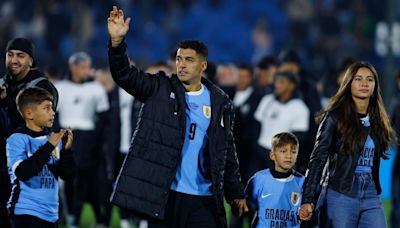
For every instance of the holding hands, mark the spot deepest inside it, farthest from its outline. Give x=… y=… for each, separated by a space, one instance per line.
x=239 y=207
x=306 y=211
x=117 y=26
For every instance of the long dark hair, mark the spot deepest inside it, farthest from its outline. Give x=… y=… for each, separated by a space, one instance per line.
x=349 y=126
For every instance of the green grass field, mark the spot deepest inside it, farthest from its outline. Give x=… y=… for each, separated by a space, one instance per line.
x=88 y=219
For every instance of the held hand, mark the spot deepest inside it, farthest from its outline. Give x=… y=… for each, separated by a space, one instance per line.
x=55 y=138
x=67 y=139
x=117 y=26
x=239 y=207
x=306 y=211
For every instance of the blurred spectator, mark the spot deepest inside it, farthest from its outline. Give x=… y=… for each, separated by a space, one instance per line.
x=159 y=66
x=53 y=71
x=278 y=112
x=226 y=75
x=329 y=84
x=82 y=25
x=265 y=71
x=289 y=61
x=246 y=129
x=83 y=107
x=262 y=41
x=226 y=78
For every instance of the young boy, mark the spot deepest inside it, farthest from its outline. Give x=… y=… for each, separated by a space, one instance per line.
x=276 y=193
x=35 y=160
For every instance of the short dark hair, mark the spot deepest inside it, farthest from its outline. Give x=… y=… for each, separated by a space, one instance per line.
x=266 y=62
x=32 y=96
x=289 y=56
x=284 y=138
x=286 y=74
x=246 y=67
x=196 y=45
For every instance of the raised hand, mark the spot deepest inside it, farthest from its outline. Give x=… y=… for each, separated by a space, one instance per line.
x=117 y=26
x=55 y=138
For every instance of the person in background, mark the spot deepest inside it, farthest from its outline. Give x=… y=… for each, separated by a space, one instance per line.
x=290 y=61
x=83 y=106
x=265 y=70
x=281 y=111
x=246 y=99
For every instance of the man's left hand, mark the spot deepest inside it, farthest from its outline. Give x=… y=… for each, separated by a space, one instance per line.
x=239 y=207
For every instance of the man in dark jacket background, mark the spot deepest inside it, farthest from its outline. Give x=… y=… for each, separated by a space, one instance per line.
x=20 y=64
x=182 y=160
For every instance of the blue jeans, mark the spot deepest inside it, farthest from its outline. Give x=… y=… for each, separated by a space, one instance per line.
x=361 y=208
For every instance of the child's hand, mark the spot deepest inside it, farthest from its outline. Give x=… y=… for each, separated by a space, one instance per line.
x=306 y=211
x=55 y=138
x=67 y=139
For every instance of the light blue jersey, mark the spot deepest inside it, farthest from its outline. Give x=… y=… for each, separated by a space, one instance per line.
x=277 y=200
x=37 y=196
x=193 y=175
x=366 y=159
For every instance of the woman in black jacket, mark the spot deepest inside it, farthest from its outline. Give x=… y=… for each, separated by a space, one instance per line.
x=354 y=133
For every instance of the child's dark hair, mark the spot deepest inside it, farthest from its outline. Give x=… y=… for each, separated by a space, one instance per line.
x=284 y=138
x=196 y=45
x=31 y=96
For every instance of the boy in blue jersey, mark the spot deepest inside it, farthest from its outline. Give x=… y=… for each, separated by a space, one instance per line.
x=276 y=193
x=35 y=159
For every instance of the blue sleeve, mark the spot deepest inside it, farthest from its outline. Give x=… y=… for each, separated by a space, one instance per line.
x=15 y=149
x=252 y=193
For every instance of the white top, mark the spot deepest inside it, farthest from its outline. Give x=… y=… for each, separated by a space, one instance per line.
x=241 y=96
x=78 y=104
x=276 y=117
x=125 y=105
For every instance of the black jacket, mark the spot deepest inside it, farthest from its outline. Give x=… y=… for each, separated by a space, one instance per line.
x=340 y=172
x=151 y=164
x=13 y=87
x=10 y=107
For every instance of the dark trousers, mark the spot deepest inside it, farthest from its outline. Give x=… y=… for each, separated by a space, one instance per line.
x=81 y=189
x=183 y=210
x=25 y=221
x=5 y=189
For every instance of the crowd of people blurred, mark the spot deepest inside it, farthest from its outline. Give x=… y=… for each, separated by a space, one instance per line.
x=279 y=61
x=322 y=31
